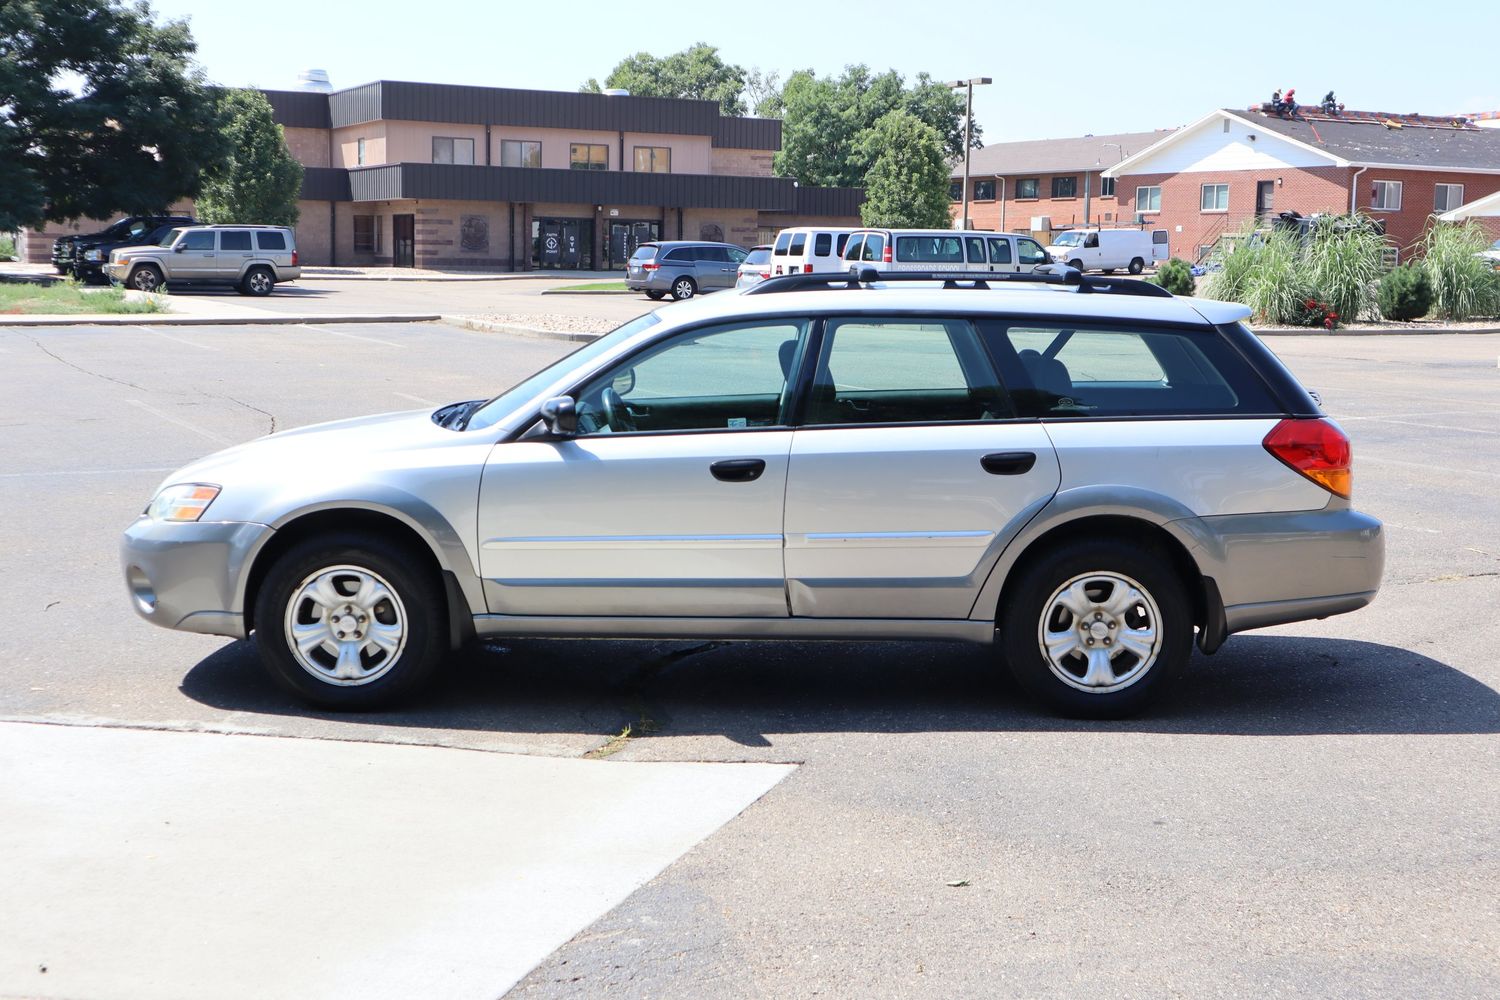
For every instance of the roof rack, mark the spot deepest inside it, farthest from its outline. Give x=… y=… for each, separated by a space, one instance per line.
x=1045 y=274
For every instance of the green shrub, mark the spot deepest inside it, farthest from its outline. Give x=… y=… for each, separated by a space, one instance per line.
x=1176 y=276
x=7 y=247
x=1405 y=293
x=1464 y=285
x=1278 y=285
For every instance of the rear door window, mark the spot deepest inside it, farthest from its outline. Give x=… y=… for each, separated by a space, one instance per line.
x=782 y=242
x=999 y=251
x=874 y=247
x=682 y=255
x=975 y=247
x=799 y=245
x=855 y=248
x=234 y=239
x=1065 y=371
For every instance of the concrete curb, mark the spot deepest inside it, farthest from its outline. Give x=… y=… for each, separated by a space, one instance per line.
x=590 y=291
x=1394 y=331
x=158 y=319
x=485 y=326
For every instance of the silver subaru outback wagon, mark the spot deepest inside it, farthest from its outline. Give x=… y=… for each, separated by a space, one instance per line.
x=1087 y=476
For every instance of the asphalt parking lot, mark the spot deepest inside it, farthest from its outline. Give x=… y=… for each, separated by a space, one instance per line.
x=1312 y=813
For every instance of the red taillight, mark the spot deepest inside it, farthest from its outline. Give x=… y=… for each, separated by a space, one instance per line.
x=807 y=269
x=1317 y=449
x=294 y=258
x=885 y=255
x=649 y=267
x=765 y=274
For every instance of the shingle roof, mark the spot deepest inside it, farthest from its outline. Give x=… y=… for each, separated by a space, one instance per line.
x=1043 y=156
x=1360 y=138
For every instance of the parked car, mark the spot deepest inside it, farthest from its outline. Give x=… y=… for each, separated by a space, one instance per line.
x=809 y=250
x=1089 y=482
x=1109 y=250
x=682 y=268
x=92 y=257
x=67 y=251
x=253 y=259
x=889 y=250
x=755 y=268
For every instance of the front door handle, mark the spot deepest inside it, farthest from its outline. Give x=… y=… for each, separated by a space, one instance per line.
x=1008 y=463
x=738 y=470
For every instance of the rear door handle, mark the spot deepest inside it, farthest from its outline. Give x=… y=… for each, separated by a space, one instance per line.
x=1008 y=463
x=738 y=470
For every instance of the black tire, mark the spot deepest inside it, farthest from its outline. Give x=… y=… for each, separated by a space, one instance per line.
x=654 y=295
x=146 y=278
x=1022 y=625
x=1108 y=270
x=1077 y=264
x=684 y=288
x=1137 y=266
x=258 y=281
x=418 y=608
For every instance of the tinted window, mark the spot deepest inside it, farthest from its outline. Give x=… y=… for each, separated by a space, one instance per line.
x=197 y=239
x=999 y=251
x=682 y=255
x=268 y=240
x=855 y=248
x=975 y=247
x=823 y=245
x=721 y=378
x=1101 y=371
x=644 y=252
x=234 y=239
x=799 y=244
x=875 y=371
x=842 y=243
x=782 y=242
x=736 y=255
x=929 y=249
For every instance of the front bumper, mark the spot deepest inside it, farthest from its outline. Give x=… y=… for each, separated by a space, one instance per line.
x=190 y=575
x=1271 y=569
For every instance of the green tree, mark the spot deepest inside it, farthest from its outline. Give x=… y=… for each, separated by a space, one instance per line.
x=825 y=120
x=907 y=184
x=258 y=181
x=101 y=110
x=695 y=72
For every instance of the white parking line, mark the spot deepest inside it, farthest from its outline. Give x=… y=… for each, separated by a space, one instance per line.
x=82 y=472
x=415 y=399
x=1426 y=467
x=168 y=336
x=216 y=438
x=351 y=336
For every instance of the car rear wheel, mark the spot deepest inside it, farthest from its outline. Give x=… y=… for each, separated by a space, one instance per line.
x=1137 y=266
x=351 y=622
x=146 y=278
x=1098 y=630
x=684 y=288
x=257 y=281
x=654 y=295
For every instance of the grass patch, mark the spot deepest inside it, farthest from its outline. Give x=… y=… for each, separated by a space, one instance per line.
x=593 y=286
x=66 y=298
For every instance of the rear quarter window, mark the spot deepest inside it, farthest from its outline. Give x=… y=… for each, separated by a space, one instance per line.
x=270 y=240
x=1063 y=370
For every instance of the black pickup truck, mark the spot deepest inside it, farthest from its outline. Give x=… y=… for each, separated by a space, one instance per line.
x=70 y=254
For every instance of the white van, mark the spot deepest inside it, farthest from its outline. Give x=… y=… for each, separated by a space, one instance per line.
x=1109 y=249
x=943 y=250
x=808 y=250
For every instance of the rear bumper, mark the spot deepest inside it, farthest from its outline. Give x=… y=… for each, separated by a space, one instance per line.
x=1277 y=568
x=654 y=282
x=186 y=576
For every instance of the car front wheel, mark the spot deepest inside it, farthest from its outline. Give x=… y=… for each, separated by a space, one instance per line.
x=145 y=278
x=1098 y=629
x=351 y=622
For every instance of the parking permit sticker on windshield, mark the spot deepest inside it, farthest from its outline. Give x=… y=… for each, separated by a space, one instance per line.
x=736 y=422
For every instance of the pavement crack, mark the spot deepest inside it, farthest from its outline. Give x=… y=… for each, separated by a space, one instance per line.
x=249 y=406
x=79 y=368
x=1453 y=577
x=646 y=719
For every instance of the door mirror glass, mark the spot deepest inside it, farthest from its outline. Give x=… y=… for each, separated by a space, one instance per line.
x=624 y=382
x=560 y=414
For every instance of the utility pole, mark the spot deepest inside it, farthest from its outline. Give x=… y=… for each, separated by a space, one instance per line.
x=968 y=131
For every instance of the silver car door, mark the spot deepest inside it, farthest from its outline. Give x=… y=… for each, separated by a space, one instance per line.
x=194 y=256
x=908 y=474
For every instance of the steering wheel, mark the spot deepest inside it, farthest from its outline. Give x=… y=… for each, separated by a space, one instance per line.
x=616 y=413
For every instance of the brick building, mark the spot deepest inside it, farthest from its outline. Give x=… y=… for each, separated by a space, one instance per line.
x=1012 y=183
x=1230 y=167
x=433 y=175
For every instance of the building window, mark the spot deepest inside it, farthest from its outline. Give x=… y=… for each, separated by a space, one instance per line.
x=956 y=191
x=1449 y=197
x=1026 y=188
x=653 y=160
x=446 y=150
x=520 y=153
x=1215 y=198
x=359 y=152
x=1065 y=187
x=984 y=190
x=1148 y=199
x=587 y=156
x=367 y=234
x=1106 y=187
x=1385 y=196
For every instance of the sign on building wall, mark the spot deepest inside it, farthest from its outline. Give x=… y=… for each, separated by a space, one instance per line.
x=474 y=233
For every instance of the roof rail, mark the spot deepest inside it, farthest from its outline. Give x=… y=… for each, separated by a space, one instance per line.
x=1045 y=274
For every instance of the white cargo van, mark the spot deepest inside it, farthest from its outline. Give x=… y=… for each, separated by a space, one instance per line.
x=808 y=250
x=943 y=250
x=1109 y=249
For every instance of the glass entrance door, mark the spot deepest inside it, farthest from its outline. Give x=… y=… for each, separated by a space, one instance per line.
x=627 y=234
x=564 y=244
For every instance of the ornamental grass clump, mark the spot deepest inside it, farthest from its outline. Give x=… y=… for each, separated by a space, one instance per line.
x=1278 y=284
x=1344 y=262
x=1464 y=284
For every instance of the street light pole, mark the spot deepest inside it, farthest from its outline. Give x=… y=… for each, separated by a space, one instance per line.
x=968 y=131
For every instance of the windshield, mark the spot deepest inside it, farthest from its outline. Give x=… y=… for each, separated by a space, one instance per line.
x=168 y=238
x=490 y=413
x=1495 y=245
x=1069 y=240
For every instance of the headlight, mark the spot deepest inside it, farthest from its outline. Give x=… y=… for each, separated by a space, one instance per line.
x=93 y=255
x=183 y=502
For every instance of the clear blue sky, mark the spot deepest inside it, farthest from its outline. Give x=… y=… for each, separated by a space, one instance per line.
x=1159 y=64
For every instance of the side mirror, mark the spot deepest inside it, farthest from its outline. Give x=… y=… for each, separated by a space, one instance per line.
x=560 y=414
x=178 y=248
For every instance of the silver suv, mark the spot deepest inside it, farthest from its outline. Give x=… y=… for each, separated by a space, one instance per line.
x=682 y=269
x=1087 y=473
x=254 y=259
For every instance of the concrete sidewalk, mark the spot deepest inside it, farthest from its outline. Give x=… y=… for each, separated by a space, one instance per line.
x=158 y=865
